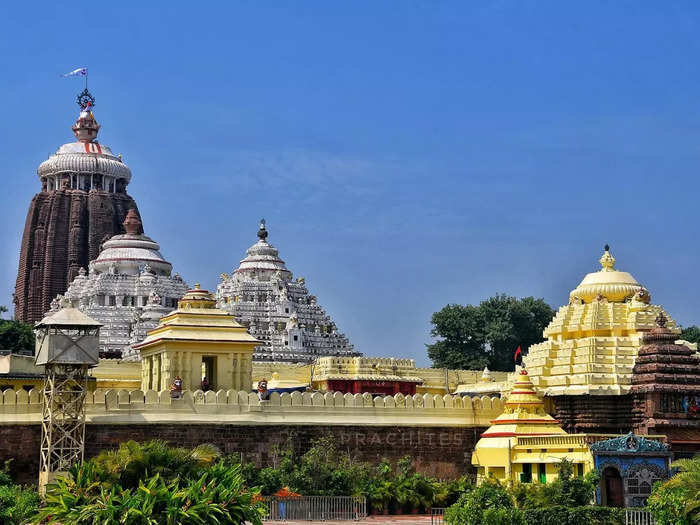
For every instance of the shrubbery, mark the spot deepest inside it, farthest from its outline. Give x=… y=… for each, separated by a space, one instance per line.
x=151 y=483
x=566 y=501
x=677 y=500
x=325 y=471
x=488 y=503
x=560 y=515
x=17 y=504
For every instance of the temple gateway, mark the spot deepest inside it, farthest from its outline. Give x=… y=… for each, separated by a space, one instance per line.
x=278 y=310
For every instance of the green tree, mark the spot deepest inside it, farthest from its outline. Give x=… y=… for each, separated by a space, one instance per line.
x=489 y=503
x=677 y=501
x=16 y=337
x=472 y=337
x=691 y=334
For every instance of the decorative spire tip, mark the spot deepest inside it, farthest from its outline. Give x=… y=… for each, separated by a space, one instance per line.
x=661 y=320
x=262 y=232
x=607 y=261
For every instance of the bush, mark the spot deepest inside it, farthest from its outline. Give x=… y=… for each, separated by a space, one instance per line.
x=488 y=501
x=325 y=471
x=559 y=515
x=668 y=505
x=447 y=493
x=677 y=500
x=175 y=486
x=17 y=504
x=133 y=461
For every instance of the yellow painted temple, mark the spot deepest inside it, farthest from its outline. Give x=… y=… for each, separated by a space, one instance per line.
x=592 y=342
x=196 y=341
x=525 y=443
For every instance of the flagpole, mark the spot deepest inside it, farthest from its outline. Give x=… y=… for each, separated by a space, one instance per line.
x=86 y=79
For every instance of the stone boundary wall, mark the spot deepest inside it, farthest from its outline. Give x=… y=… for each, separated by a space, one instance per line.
x=442 y=452
x=136 y=406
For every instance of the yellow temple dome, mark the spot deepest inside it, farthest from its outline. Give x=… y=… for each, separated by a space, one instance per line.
x=197 y=298
x=608 y=282
x=592 y=342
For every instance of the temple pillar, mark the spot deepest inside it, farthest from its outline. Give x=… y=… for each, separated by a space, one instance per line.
x=224 y=373
x=239 y=372
x=186 y=372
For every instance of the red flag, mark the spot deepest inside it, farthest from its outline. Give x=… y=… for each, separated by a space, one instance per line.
x=518 y=353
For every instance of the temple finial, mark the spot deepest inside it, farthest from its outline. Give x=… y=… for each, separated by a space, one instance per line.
x=262 y=232
x=661 y=320
x=607 y=261
x=86 y=127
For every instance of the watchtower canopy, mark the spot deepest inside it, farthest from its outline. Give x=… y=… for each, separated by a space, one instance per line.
x=67 y=337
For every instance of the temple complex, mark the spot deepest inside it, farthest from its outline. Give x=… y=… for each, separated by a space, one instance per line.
x=525 y=443
x=128 y=289
x=203 y=345
x=586 y=363
x=277 y=310
x=82 y=203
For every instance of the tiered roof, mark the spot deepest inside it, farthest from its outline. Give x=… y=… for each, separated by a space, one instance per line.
x=128 y=289
x=277 y=310
x=593 y=341
x=197 y=319
x=663 y=365
x=523 y=413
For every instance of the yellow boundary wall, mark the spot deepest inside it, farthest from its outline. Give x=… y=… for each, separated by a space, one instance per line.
x=229 y=406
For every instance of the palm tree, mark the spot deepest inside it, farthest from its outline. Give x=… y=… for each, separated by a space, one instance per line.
x=133 y=461
x=688 y=478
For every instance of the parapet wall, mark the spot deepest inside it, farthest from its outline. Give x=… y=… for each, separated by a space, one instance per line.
x=438 y=432
x=232 y=407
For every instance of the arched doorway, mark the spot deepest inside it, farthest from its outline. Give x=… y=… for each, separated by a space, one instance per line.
x=612 y=493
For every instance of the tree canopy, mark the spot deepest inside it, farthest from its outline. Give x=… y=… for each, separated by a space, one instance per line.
x=472 y=337
x=15 y=336
x=691 y=334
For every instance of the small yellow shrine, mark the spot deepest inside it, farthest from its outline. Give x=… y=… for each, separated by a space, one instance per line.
x=197 y=341
x=525 y=443
x=593 y=341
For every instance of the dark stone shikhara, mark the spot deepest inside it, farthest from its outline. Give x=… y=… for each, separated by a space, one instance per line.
x=83 y=202
x=664 y=397
x=666 y=390
x=63 y=233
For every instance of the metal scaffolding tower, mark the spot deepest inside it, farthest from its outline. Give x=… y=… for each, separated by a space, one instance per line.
x=67 y=345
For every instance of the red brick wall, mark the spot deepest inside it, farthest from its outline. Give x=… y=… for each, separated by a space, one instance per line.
x=437 y=451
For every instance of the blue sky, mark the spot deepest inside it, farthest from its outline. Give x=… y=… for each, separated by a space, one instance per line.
x=406 y=155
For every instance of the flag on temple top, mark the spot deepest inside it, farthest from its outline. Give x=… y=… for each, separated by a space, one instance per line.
x=81 y=71
x=518 y=355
